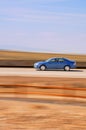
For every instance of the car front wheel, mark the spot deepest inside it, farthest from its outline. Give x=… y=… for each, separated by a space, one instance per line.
x=42 y=67
x=67 y=68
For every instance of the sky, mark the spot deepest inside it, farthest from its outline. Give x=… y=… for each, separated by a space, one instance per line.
x=55 y=26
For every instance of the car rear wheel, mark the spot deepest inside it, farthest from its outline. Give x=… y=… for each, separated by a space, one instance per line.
x=42 y=67
x=67 y=68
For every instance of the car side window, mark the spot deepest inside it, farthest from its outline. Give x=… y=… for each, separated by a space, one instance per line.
x=53 y=60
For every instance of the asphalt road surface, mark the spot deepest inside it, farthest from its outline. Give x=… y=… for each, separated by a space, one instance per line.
x=76 y=73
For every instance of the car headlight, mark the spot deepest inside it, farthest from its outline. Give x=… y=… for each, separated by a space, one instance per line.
x=36 y=64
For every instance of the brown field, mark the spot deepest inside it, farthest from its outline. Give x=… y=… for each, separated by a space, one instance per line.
x=14 y=55
x=27 y=59
x=38 y=111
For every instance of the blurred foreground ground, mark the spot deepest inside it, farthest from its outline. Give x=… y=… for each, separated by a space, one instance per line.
x=23 y=113
x=18 y=115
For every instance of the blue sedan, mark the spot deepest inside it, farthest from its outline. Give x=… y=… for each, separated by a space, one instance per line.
x=55 y=63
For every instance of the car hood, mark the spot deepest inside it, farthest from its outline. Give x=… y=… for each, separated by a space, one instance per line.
x=72 y=61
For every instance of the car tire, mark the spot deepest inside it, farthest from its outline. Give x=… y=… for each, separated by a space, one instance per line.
x=67 y=68
x=43 y=67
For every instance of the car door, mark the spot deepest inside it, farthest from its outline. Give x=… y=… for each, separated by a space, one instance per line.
x=52 y=64
x=60 y=63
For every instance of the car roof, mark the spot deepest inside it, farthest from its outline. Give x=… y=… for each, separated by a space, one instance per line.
x=59 y=58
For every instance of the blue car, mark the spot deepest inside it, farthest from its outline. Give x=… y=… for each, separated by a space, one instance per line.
x=55 y=63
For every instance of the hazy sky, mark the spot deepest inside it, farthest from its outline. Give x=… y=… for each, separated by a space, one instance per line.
x=43 y=25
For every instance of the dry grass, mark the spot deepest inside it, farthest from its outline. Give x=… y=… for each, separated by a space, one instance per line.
x=14 y=55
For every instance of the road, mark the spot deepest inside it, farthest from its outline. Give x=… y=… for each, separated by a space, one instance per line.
x=78 y=73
